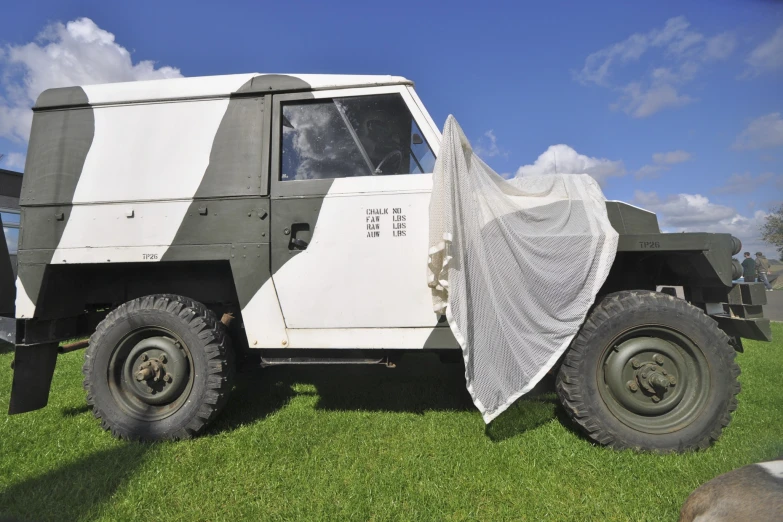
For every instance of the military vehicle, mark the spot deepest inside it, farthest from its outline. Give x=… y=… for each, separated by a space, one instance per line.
x=181 y=223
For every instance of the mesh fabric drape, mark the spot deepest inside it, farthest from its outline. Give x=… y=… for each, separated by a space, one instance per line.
x=515 y=265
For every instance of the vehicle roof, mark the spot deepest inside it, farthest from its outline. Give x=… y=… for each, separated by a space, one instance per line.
x=205 y=87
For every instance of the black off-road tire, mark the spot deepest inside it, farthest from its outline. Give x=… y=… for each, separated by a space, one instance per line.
x=585 y=386
x=209 y=355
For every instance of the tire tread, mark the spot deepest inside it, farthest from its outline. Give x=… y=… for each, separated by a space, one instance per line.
x=198 y=319
x=570 y=376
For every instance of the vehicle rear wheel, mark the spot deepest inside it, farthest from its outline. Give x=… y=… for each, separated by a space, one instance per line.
x=650 y=372
x=158 y=367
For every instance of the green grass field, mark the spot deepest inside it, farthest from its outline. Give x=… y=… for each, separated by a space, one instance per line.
x=370 y=443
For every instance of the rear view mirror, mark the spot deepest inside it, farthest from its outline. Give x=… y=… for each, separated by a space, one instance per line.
x=416 y=139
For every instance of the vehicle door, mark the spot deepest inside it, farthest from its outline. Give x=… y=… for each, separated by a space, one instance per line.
x=351 y=182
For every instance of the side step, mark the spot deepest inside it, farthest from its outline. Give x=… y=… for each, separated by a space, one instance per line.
x=279 y=361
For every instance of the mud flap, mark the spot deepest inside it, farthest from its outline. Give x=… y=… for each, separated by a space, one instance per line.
x=33 y=371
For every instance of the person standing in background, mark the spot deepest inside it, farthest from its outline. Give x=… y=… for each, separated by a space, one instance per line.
x=748 y=269
x=762 y=269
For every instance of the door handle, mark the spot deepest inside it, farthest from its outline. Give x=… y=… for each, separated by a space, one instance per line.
x=301 y=244
x=300 y=236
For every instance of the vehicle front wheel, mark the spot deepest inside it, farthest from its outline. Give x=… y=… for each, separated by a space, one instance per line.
x=651 y=372
x=157 y=368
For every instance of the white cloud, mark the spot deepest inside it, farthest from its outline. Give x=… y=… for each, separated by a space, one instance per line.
x=674 y=34
x=720 y=46
x=661 y=163
x=14 y=161
x=695 y=213
x=743 y=183
x=641 y=101
x=562 y=159
x=650 y=171
x=76 y=53
x=768 y=56
x=763 y=132
x=671 y=158
x=487 y=146
x=11 y=239
x=683 y=51
x=684 y=211
x=15 y=121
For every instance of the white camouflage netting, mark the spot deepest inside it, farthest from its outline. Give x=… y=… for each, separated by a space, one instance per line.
x=515 y=265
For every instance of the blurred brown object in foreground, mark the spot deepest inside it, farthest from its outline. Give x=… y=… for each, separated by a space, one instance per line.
x=750 y=493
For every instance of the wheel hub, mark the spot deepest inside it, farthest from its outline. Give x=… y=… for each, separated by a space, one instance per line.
x=654 y=380
x=152 y=369
x=638 y=375
x=155 y=370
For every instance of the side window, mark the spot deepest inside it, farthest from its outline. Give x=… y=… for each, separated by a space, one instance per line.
x=11 y=229
x=353 y=136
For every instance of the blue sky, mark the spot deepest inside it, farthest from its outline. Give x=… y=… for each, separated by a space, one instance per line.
x=674 y=106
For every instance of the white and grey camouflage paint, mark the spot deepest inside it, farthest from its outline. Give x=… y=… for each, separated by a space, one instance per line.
x=127 y=172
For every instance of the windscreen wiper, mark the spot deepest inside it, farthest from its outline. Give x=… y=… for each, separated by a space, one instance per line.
x=355 y=138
